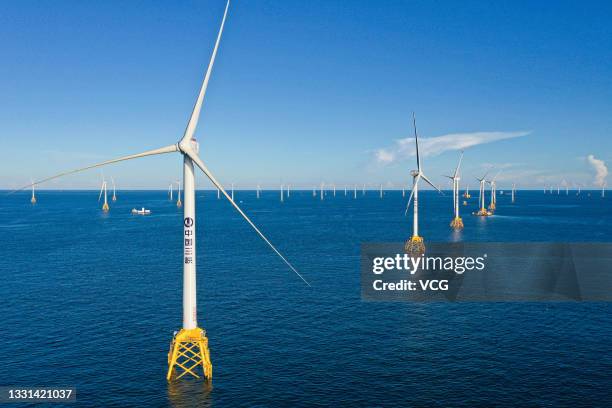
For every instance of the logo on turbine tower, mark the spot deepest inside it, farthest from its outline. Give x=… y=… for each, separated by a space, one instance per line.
x=188 y=222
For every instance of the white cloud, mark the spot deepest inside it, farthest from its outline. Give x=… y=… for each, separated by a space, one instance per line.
x=434 y=146
x=601 y=171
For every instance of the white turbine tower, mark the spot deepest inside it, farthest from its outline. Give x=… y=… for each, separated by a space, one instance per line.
x=288 y=190
x=355 y=191
x=282 y=198
x=415 y=244
x=33 y=199
x=493 y=204
x=114 y=190
x=170 y=188
x=232 y=191
x=105 y=206
x=179 y=203
x=334 y=189
x=345 y=190
x=363 y=190
x=381 y=190
x=218 y=194
x=482 y=210
x=322 y=192
x=189 y=347
x=258 y=190
x=513 y=192
x=457 y=222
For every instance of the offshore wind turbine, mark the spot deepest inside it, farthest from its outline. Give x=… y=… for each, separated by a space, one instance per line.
x=114 y=190
x=170 y=188
x=322 y=192
x=288 y=190
x=355 y=192
x=179 y=203
x=513 y=190
x=457 y=222
x=105 y=206
x=282 y=198
x=232 y=191
x=415 y=244
x=381 y=190
x=363 y=190
x=482 y=211
x=258 y=189
x=189 y=347
x=345 y=190
x=33 y=199
x=493 y=184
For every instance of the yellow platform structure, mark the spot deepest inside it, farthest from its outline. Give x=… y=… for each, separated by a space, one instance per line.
x=415 y=245
x=179 y=203
x=105 y=207
x=189 y=354
x=457 y=223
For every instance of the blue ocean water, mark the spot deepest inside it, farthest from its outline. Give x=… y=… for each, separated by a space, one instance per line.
x=91 y=300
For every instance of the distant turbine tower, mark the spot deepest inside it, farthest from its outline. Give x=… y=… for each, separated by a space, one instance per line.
x=114 y=190
x=334 y=190
x=467 y=192
x=355 y=191
x=189 y=348
x=551 y=188
x=314 y=191
x=603 y=190
x=288 y=190
x=403 y=191
x=415 y=244
x=322 y=192
x=33 y=199
x=457 y=222
x=381 y=191
x=481 y=197
x=257 y=191
x=493 y=204
x=558 y=189
x=105 y=206
x=179 y=203
x=170 y=192
x=345 y=190
x=232 y=191
x=363 y=190
x=282 y=198
x=218 y=194
x=513 y=189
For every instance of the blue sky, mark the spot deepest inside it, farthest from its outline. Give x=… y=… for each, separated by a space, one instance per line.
x=307 y=91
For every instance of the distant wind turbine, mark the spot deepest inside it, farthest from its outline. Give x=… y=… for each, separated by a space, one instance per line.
x=482 y=211
x=457 y=222
x=415 y=244
x=33 y=199
x=114 y=190
x=105 y=206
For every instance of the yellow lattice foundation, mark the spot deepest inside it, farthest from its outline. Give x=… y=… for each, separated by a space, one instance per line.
x=33 y=200
x=415 y=246
x=105 y=207
x=492 y=206
x=457 y=223
x=483 y=212
x=179 y=203
x=189 y=354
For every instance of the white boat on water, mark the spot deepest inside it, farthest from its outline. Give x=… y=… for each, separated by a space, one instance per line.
x=142 y=211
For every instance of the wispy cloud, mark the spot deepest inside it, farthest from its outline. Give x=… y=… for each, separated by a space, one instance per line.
x=601 y=170
x=433 y=146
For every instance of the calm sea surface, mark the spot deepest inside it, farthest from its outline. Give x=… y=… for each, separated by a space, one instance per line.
x=91 y=300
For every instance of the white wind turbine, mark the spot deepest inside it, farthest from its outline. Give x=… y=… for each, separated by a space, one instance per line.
x=179 y=203
x=513 y=191
x=105 y=206
x=258 y=191
x=457 y=222
x=381 y=190
x=415 y=244
x=114 y=190
x=482 y=211
x=232 y=191
x=322 y=192
x=288 y=190
x=493 y=204
x=282 y=197
x=355 y=191
x=189 y=348
x=170 y=188
x=33 y=199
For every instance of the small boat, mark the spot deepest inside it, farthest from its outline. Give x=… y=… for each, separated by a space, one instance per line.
x=142 y=211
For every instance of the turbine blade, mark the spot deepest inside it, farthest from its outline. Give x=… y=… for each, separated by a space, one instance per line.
x=431 y=184
x=416 y=141
x=162 y=150
x=416 y=182
x=196 y=159
x=195 y=115
x=459 y=165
